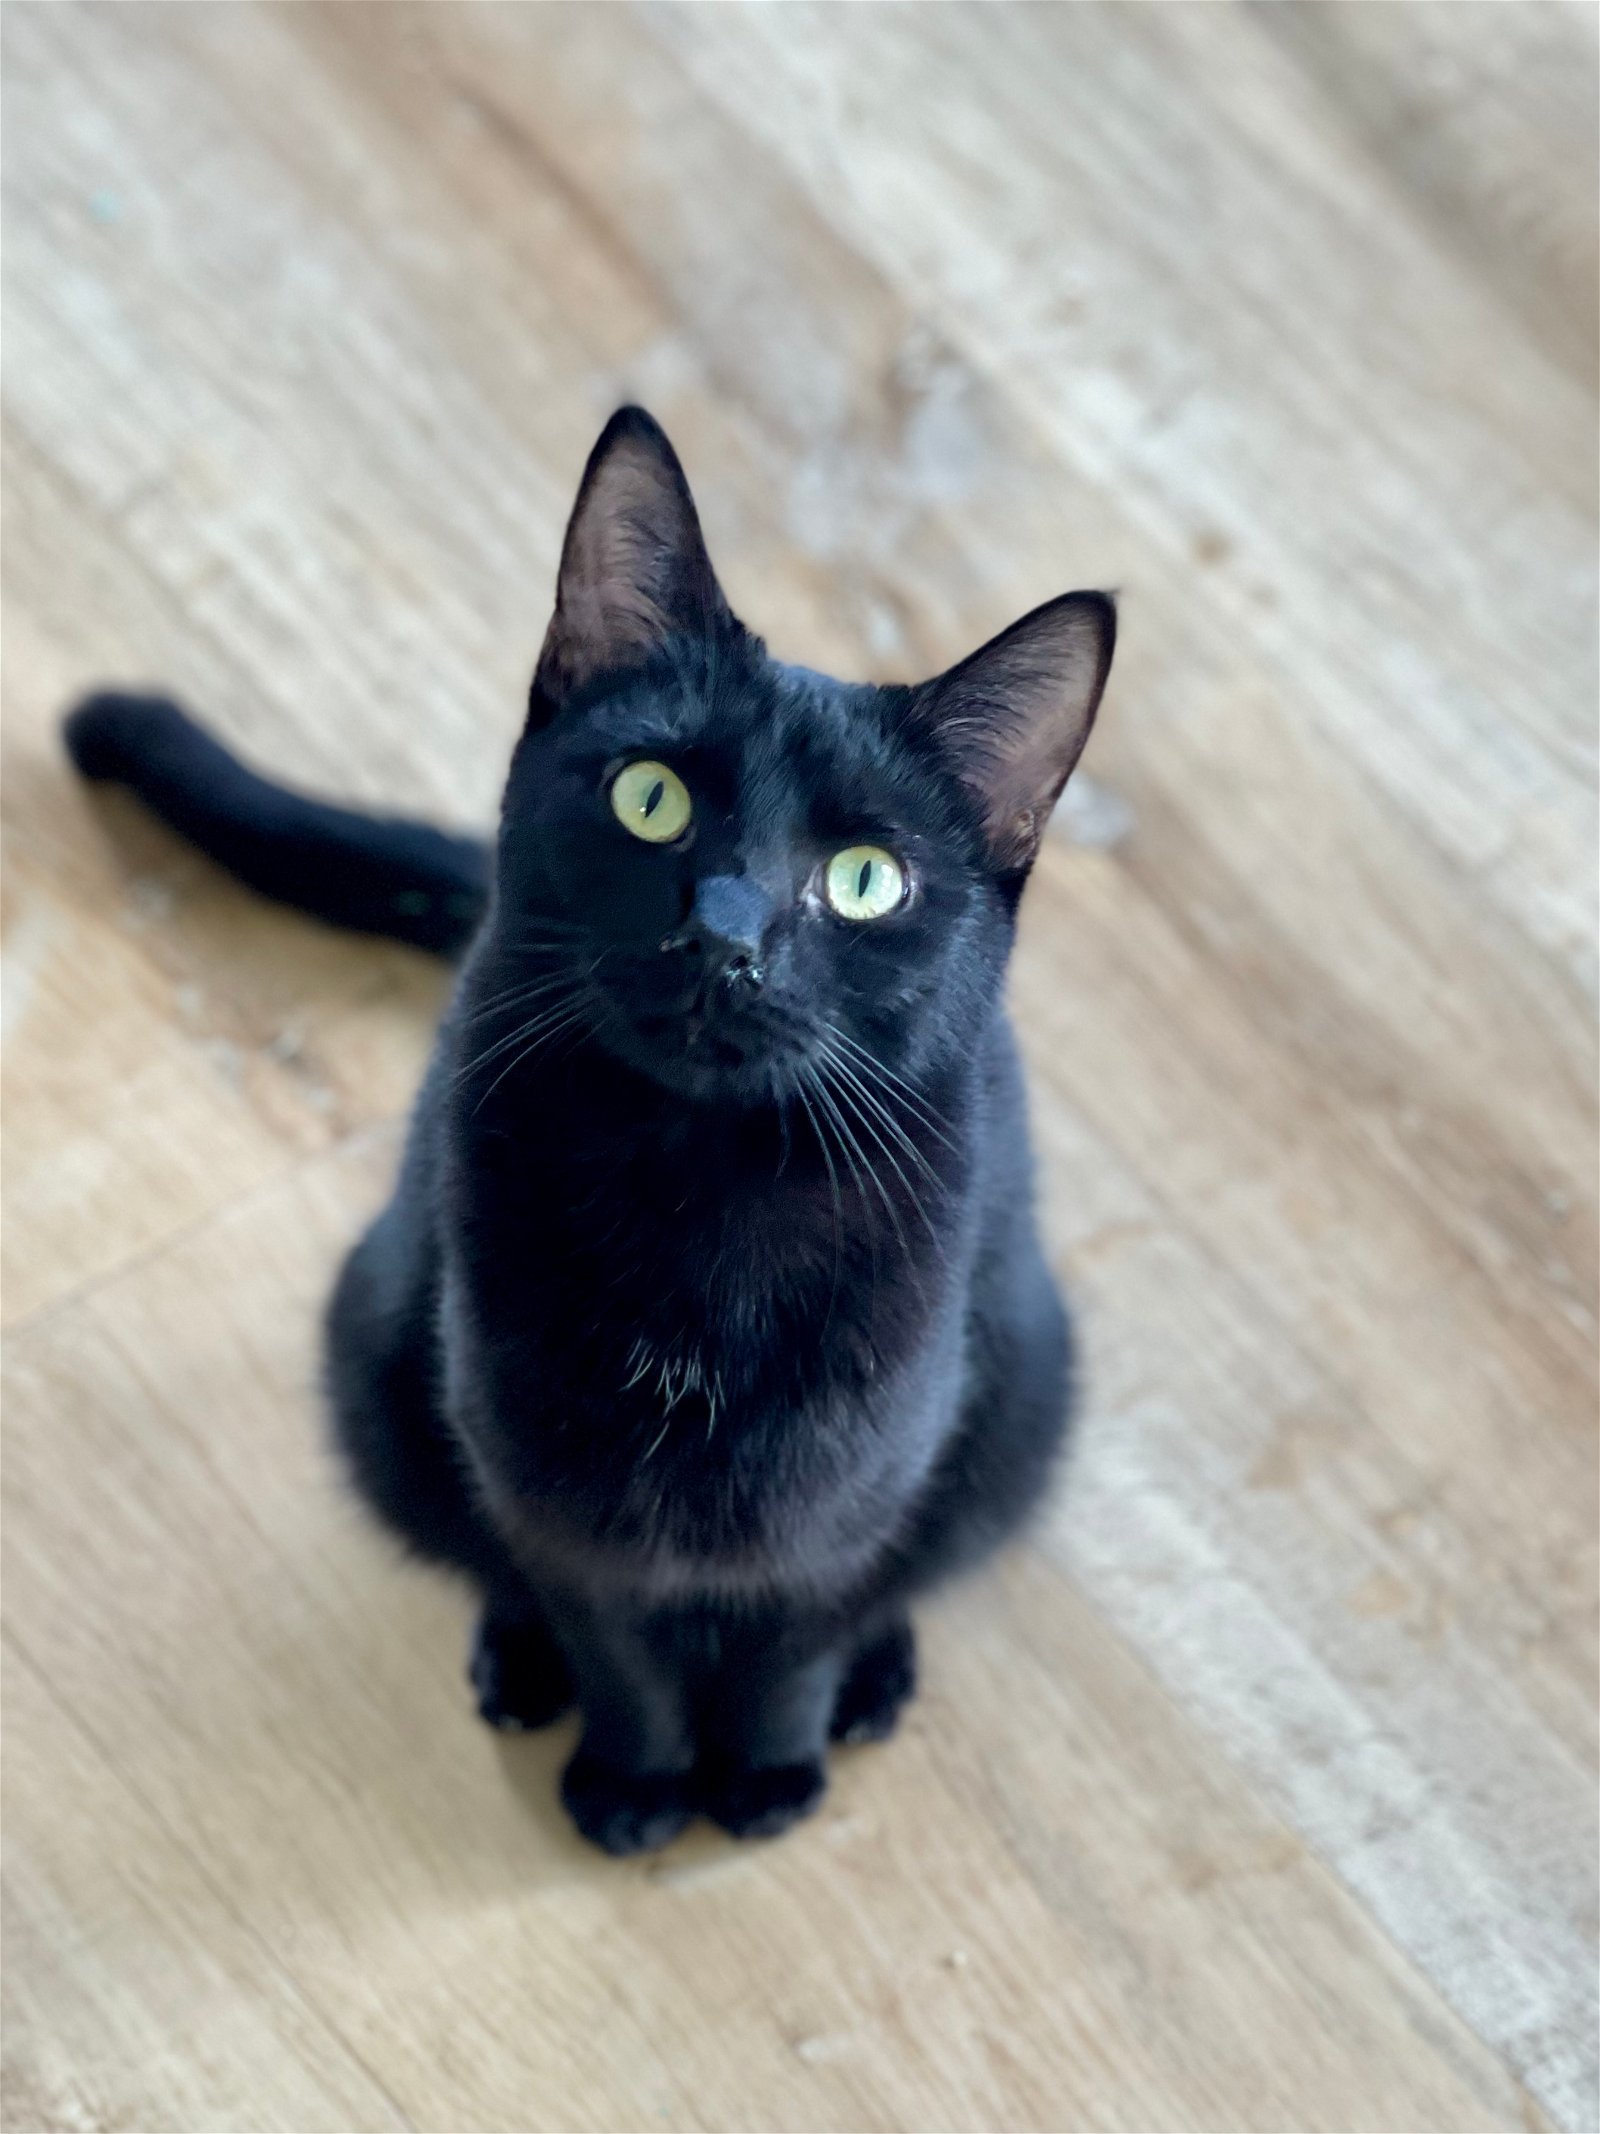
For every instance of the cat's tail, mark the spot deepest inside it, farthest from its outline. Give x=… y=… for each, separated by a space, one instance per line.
x=375 y=874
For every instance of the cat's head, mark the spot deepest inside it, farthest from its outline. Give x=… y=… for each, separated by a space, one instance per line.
x=739 y=873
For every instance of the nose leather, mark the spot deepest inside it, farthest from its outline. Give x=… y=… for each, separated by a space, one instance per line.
x=732 y=909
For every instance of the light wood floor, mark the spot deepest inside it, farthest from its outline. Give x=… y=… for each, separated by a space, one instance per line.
x=1259 y=1791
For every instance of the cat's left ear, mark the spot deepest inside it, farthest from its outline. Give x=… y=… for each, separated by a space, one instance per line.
x=1012 y=718
x=634 y=569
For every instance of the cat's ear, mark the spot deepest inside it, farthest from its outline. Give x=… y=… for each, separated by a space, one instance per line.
x=1013 y=717
x=634 y=569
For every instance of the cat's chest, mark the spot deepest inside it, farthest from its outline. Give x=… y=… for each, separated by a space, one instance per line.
x=668 y=1475
x=675 y=1378
x=674 y=1292
x=695 y=1418
x=661 y=1306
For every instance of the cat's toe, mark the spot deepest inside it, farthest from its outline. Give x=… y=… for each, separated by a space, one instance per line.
x=881 y=1681
x=759 y=1803
x=625 y=1811
x=520 y=1678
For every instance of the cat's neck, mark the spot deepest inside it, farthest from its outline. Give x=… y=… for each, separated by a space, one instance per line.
x=723 y=1212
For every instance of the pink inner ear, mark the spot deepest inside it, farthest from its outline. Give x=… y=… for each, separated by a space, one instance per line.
x=1013 y=718
x=634 y=569
x=614 y=573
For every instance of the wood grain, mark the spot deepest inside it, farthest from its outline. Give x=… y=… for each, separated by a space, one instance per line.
x=1258 y=1790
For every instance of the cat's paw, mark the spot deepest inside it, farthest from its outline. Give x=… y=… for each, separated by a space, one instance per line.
x=761 y=1802
x=881 y=1679
x=521 y=1679
x=625 y=1811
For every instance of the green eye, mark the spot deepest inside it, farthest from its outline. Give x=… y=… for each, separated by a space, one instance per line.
x=651 y=801
x=864 y=882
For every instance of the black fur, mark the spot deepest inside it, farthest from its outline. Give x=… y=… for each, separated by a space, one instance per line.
x=708 y=1324
x=375 y=875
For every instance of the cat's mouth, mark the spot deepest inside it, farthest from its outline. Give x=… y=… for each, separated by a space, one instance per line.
x=711 y=1042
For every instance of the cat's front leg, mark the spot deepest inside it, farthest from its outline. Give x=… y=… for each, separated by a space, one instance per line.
x=629 y=1784
x=764 y=1746
x=879 y=1682
x=520 y=1674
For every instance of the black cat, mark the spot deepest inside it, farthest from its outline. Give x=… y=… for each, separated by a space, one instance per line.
x=708 y=1324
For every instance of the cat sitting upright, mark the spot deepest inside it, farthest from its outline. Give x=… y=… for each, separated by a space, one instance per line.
x=708 y=1324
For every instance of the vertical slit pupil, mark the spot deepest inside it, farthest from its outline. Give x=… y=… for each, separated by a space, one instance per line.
x=653 y=798
x=864 y=878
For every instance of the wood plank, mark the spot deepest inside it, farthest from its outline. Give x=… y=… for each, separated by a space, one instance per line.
x=1493 y=131
x=136 y=1993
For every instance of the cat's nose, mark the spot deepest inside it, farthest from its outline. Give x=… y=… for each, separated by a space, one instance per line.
x=728 y=923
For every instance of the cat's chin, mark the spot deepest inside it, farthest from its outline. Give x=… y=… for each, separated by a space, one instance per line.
x=709 y=1069
x=743 y=1061
x=742 y=1085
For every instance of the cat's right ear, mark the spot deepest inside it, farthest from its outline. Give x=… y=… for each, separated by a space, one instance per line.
x=634 y=569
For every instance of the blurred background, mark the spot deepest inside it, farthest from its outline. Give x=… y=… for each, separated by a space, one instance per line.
x=1258 y=1790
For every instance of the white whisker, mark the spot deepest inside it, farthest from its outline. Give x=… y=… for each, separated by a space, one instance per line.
x=851 y=1093
x=833 y=1181
x=903 y=1090
x=829 y=1099
x=555 y=1027
x=889 y=1122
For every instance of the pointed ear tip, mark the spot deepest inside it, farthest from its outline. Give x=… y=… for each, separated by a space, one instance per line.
x=1087 y=605
x=1099 y=610
x=633 y=438
x=1100 y=603
x=631 y=420
x=1086 y=619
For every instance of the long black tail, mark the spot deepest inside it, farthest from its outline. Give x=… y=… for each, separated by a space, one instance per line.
x=374 y=874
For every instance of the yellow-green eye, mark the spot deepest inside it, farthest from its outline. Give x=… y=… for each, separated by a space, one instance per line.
x=651 y=801
x=864 y=882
